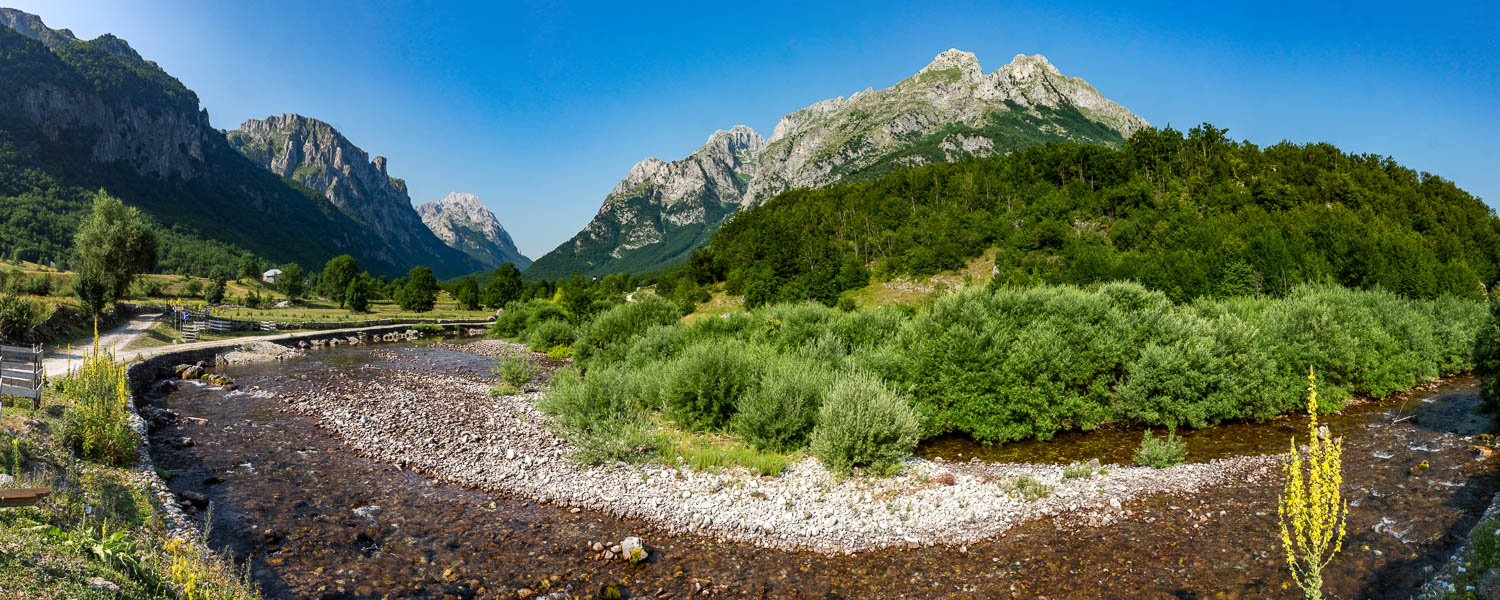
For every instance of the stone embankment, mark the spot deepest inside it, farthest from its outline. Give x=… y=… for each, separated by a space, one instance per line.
x=446 y=425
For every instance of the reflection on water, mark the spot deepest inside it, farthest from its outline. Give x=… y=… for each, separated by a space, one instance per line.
x=317 y=521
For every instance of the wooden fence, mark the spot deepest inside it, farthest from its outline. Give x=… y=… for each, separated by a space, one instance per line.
x=21 y=372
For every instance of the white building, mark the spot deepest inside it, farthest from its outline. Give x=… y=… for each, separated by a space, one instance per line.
x=270 y=276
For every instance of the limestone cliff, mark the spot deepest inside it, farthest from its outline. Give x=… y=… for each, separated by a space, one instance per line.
x=313 y=153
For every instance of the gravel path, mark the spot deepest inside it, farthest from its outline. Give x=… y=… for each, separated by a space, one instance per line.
x=57 y=361
x=446 y=426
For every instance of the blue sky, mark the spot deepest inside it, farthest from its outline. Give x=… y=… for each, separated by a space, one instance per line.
x=540 y=108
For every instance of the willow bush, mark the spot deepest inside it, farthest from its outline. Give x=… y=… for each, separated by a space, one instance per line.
x=1009 y=363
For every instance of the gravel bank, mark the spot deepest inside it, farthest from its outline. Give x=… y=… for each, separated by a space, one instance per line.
x=446 y=426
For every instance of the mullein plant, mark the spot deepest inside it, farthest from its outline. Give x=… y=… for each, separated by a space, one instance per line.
x=1312 y=510
x=97 y=425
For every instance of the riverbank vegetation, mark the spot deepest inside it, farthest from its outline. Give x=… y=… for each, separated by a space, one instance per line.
x=98 y=534
x=999 y=363
x=1192 y=215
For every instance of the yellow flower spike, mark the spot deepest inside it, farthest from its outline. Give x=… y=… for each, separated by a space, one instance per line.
x=1313 y=504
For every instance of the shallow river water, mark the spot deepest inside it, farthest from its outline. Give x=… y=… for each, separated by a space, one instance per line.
x=343 y=526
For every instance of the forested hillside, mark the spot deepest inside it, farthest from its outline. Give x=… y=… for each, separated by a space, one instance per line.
x=1192 y=215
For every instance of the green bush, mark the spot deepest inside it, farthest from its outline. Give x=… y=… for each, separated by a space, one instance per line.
x=1487 y=356
x=780 y=413
x=518 y=318
x=703 y=386
x=17 y=316
x=863 y=424
x=658 y=344
x=1160 y=453
x=607 y=337
x=600 y=414
x=547 y=334
x=560 y=352
x=515 y=370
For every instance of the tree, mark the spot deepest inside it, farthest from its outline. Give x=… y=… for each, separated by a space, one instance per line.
x=193 y=287
x=357 y=296
x=215 y=292
x=114 y=244
x=337 y=274
x=467 y=294
x=504 y=287
x=291 y=281
x=93 y=293
x=420 y=292
x=577 y=297
x=249 y=267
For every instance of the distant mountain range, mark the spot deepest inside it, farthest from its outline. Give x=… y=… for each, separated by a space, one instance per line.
x=78 y=116
x=948 y=111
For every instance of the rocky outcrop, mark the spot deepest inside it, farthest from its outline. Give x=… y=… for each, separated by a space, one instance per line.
x=313 y=153
x=465 y=224
x=950 y=110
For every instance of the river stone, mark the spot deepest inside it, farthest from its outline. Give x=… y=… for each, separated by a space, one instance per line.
x=633 y=550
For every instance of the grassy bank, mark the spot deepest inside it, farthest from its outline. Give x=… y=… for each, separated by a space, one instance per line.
x=98 y=535
x=1000 y=364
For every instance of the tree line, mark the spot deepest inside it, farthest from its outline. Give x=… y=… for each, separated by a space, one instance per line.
x=1192 y=215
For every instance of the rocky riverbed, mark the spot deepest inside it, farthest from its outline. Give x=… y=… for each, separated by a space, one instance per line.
x=318 y=520
x=445 y=425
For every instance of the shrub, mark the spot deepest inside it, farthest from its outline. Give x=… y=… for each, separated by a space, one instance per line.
x=600 y=414
x=1016 y=363
x=17 y=316
x=658 y=344
x=515 y=370
x=781 y=411
x=151 y=288
x=96 y=425
x=1160 y=453
x=703 y=386
x=560 y=352
x=1487 y=355
x=1079 y=470
x=519 y=317
x=1028 y=488
x=863 y=424
x=607 y=337
x=548 y=334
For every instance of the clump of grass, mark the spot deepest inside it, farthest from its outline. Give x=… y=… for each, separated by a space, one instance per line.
x=504 y=388
x=1160 y=453
x=1028 y=488
x=1080 y=470
x=712 y=453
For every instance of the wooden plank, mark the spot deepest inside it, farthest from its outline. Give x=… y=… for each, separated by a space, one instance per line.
x=23 y=497
x=20 y=391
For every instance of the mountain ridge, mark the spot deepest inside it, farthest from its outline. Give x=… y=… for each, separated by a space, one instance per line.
x=949 y=110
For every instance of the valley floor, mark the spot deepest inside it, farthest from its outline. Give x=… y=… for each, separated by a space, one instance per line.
x=320 y=519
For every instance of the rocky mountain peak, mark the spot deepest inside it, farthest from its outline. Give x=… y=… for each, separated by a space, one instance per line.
x=965 y=63
x=464 y=223
x=31 y=26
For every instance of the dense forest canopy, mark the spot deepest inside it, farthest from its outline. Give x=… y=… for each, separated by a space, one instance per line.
x=1191 y=215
